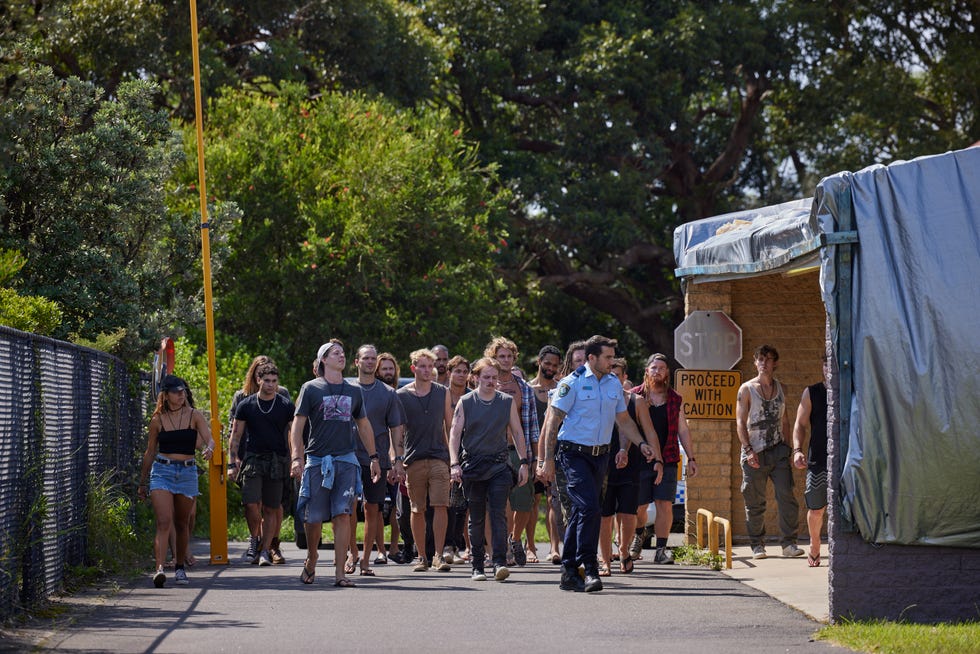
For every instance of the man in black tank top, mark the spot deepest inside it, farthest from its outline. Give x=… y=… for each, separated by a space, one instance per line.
x=479 y=431
x=812 y=414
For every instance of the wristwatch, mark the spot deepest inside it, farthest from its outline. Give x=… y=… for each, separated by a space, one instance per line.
x=399 y=458
x=523 y=462
x=374 y=456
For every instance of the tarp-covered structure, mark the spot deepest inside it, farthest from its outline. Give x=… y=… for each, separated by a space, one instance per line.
x=910 y=441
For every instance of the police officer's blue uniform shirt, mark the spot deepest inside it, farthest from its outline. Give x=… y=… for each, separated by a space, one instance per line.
x=590 y=406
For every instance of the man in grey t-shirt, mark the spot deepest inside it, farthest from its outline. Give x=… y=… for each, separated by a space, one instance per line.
x=328 y=465
x=384 y=411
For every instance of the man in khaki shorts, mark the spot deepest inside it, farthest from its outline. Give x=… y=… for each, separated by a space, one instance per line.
x=424 y=453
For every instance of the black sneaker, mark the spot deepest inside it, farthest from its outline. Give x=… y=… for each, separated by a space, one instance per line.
x=517 y=549
x=572 y=581
x=160 y=578
x=664 y=557
x=252 y=553
x=592 y=583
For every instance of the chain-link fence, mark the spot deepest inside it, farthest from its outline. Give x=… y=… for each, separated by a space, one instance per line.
x=66 y=413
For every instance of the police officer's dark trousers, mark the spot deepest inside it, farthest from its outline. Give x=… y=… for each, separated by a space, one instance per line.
x=584 y=473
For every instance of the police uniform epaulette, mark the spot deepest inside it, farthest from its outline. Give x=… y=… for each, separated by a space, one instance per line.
x=579 y=371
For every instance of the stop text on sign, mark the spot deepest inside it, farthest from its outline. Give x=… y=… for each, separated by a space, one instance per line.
x=708 y=394
x=708 y=340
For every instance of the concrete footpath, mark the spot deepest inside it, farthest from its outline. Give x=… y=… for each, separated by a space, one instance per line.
x=247 y=608
x=791 y=581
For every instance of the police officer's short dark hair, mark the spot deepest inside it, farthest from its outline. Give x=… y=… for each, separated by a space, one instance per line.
x=594 y=345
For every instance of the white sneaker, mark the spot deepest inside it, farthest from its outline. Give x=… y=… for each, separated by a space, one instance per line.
x=758 y=551
x=180 y=577
x=792 y=550
x=478 y=575
x=500 y=572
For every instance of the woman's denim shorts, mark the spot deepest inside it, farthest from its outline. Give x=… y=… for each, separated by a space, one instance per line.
x=176 y=479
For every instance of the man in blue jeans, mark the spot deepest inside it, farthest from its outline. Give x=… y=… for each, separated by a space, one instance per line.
x=578 y=427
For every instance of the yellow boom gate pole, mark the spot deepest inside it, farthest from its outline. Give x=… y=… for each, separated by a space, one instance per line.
x=216 y=471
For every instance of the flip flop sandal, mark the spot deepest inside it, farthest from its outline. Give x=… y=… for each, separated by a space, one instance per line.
x=813 y=561
x=306 y=576
x=604 y=571
x=367 y=572
x=532 y=556
x=555 y=558
x=350 y=566
x=344 y=583
x=626 y=566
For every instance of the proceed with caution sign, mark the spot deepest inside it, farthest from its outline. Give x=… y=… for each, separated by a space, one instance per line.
x=708 y=394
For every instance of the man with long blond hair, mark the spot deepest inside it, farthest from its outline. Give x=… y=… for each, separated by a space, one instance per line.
x=504 y=352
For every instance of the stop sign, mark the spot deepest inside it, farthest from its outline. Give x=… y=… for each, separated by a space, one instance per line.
x=708 y=340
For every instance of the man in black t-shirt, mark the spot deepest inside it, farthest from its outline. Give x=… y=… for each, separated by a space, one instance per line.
x=267 y=416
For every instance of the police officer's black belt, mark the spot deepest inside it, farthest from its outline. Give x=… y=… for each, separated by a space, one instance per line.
x=592 y=450
x=171 y=462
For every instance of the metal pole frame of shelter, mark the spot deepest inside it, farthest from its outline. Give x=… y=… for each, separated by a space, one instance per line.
x=844 y=240
x=216 y=469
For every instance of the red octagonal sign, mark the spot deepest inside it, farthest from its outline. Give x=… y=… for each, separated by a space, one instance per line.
x=708 y=340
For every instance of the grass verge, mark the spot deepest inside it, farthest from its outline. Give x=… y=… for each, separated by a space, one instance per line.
x=884 y=637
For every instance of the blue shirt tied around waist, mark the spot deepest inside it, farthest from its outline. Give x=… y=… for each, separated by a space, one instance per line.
x=325 y=463
x=590 y=405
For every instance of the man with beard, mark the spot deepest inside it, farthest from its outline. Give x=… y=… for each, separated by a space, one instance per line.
x=388 y=369
x=389 y=372
x=667 y=414
x=549 y=359
x=442 y=364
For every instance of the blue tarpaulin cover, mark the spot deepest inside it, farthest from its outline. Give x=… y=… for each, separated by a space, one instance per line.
x=912 y=472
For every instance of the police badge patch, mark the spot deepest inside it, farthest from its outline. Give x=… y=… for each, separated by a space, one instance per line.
x=563 y=390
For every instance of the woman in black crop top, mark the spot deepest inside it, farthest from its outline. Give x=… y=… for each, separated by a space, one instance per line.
x=177 y=429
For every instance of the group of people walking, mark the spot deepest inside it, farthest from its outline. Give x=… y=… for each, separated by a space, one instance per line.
x=461 y=439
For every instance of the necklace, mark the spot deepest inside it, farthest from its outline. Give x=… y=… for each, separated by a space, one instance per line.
x=486 y=402
x=771 y=393
x=428 y=400
x=258 y=401
x=173 y=422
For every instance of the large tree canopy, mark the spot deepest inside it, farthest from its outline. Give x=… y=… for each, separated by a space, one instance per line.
x=609 y=122
x=358 y=220
x=616 y=121
x=82 y=196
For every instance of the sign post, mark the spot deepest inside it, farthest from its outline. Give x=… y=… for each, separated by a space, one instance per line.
x=708 y=344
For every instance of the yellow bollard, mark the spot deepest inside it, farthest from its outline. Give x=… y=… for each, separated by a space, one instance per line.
x=727 y=525
x=708 y=521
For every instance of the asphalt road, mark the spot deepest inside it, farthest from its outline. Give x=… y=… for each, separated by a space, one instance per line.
x=245 y=608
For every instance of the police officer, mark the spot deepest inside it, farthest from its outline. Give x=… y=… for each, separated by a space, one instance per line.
x=576 y=433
